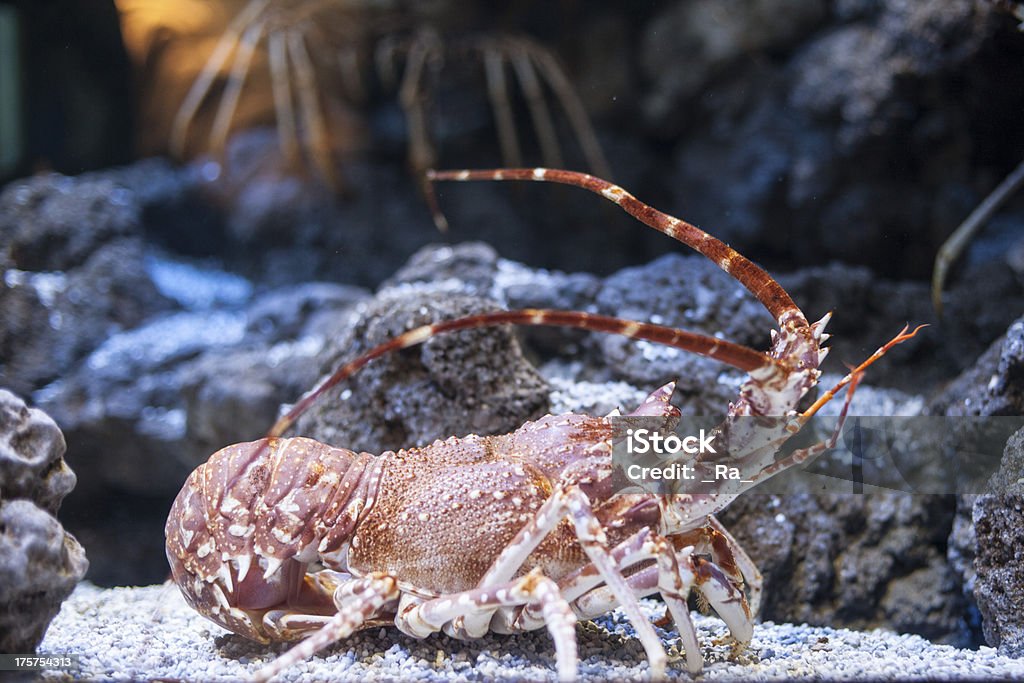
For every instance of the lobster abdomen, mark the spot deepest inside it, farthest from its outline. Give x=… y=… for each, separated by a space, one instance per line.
x=248 y=521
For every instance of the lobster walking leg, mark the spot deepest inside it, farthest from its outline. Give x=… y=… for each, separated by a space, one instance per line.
x=675 y=575
x=738 y=557
x=574 y=504
x=533 y=589
x=357 y=602
x=674 y=588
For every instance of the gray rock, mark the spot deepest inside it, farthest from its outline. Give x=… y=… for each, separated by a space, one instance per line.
x=709 y=36
x=474 y=265
x=53 y=222
x=782 y=153
x=994 y=385
x=150 y=404
x=999 y=561
x=32 y=455
x=122 y=408
x=76 y=274
x=39 y=563
x=286 y=314
x=870 y=309
x=861 y=561
x=1000 y=581
x=475 y=381
x=991 y=387
x=857 y=74
x=39 y=567
x=960 y=554
x=475 y=268
x=1009 y=479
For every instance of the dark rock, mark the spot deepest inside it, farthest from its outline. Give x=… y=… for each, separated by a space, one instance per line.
x=1010 y=477
x=860 y=561
x=174 y=208
x=53 y=222
x=785 y=152
x=960 y=554
x=122 y=409
x=290 y=313
x=709 y=37
x=1000 y=582
x=152 y=403
x=39 y=563
x=859 y=74
x=281 y=229
x=869 y=310
x=233 y=394
x=454 y=384
x=993 y=386
x=999 y=562
x=475 y=268
x=77 y=274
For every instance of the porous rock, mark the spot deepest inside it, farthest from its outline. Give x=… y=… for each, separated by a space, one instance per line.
x=862 y=561
x=472 y=266
x=999 y=561
x=709 y=36
x=75 y=274
x=691 y=293
x=54 y=222
x=475 y=381
x=32 y=455
x=784 y=151
x=475 y=268
x=870 y=309
x=39 y=562
x=994 y=385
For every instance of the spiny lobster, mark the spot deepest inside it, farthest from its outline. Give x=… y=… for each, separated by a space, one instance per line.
x=289 y=538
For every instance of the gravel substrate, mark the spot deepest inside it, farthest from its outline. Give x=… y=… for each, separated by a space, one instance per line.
x=149 y=633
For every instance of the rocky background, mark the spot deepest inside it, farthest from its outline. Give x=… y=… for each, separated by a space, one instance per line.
x=159 y=311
